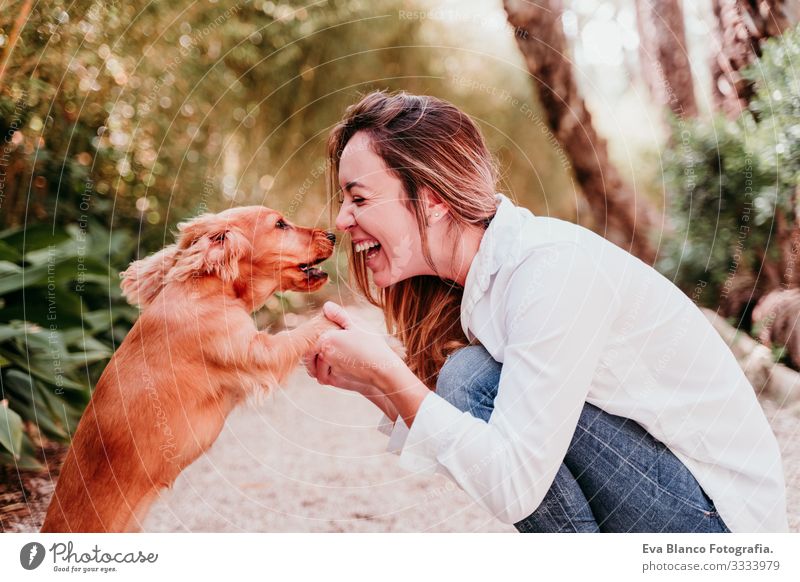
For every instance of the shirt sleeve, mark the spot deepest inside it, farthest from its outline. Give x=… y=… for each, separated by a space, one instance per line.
x=559 y=311
x=385 y=425
x=396 y=431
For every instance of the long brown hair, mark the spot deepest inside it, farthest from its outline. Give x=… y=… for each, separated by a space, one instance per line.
x=426 y=143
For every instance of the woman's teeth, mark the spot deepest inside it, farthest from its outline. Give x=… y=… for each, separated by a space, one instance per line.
x=363 y=246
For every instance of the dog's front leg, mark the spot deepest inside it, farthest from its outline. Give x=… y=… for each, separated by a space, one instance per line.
x=279 y=354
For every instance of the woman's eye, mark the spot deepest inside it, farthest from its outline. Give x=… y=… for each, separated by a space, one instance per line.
x=281 y=224
x=357 y=200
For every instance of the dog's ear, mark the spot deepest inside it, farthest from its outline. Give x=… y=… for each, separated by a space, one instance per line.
x=209 y=245
x=144 y=279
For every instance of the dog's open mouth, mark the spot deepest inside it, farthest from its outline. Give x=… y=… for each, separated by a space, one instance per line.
x=311 y=271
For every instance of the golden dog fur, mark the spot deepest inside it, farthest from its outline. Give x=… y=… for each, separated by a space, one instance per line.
x=191 y=357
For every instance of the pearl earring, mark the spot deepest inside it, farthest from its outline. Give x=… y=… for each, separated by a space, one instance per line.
x=436 y=214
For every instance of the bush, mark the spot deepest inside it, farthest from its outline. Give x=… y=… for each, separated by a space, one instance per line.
x=63 y=310
x=729 y=179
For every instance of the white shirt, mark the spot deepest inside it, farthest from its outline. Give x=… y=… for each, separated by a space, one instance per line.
x=573 y=318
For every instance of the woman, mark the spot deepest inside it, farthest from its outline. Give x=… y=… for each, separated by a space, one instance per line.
x=561 y=382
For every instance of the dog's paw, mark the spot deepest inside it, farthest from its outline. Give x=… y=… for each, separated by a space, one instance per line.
x=319 y=324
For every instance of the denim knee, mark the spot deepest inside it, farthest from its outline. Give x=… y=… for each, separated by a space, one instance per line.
x=468 y=380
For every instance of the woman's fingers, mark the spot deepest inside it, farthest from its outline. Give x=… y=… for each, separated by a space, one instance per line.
x=317 y=368
x=325 y=373
x=310 y=363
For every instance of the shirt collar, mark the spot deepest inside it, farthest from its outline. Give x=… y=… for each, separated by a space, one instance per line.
x=495 y=248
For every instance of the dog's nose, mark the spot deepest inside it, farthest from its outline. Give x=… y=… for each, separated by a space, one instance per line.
x=331 y=236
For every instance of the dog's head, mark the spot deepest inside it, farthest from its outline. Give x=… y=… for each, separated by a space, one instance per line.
x=253 y=248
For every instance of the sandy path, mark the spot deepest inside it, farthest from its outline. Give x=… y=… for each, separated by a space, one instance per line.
x=785 y=424
x=310 y=459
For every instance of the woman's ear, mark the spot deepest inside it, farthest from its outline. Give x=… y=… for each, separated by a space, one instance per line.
x=210 y=245
x=435 y=209
x=143 y=280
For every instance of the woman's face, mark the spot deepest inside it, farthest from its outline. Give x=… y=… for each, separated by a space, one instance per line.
x=375 y=212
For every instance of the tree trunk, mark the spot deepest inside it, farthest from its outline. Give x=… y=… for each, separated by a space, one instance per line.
x=617 y=213
x=662 y=53
x=741 y=27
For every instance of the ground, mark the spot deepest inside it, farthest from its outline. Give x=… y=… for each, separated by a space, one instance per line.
x=309 y=458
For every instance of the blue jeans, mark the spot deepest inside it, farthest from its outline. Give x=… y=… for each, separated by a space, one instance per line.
x=615 y=476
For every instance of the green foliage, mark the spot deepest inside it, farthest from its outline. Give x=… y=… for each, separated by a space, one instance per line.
x=146 y=112
x=141 y=113
x=55 y=292
x=727 y=178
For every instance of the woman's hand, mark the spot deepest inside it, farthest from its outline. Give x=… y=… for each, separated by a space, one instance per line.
x=350 y=357
x=324 y=374
x=354 y=359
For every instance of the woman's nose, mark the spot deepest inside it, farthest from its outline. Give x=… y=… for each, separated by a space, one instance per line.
x=344 y=219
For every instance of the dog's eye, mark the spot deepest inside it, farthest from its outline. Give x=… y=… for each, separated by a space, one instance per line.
x=281 y=224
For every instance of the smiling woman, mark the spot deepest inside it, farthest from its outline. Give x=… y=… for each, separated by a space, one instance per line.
x=428 y=144
x=551 y=374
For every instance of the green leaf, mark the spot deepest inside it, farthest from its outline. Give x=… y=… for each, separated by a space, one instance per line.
x=37 y=339
x=55 y=410
x=59 y=307
x=25 y=463
x=34 y=237
x=27 y=458
x=88 y=344
x=38 y=403
x=10 y=430
x=7 y=268
x=24 y=277
x=17 y=387
x=18 y=329
x=38 y=369
x=77 y=359
x=9 y=253
x=44 y=423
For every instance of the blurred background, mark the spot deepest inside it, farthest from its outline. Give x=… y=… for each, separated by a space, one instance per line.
x=672 y=128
